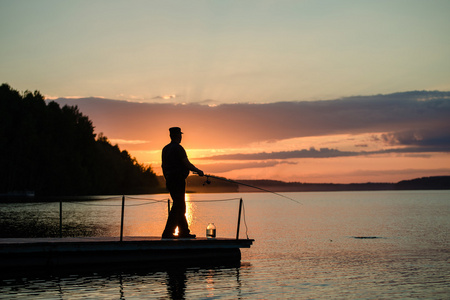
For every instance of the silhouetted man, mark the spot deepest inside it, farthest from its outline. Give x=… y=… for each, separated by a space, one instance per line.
x=176 y=167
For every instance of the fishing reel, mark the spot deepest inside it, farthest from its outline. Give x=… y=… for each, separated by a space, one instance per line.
x=207 y=181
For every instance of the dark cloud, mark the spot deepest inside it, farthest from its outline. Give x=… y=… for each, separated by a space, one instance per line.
x=425 y=138
x=310 y=153
x=225 y=167
x=404 y=115
x=321 y=153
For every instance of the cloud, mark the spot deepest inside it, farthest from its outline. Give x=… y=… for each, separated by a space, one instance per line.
x=419 y=137
x=209 y=102
x=49 y=97
x=128 y=142
x=321 y=153
x=166 y=97
x=240 y=124
x=310 y=153
x=225 y=167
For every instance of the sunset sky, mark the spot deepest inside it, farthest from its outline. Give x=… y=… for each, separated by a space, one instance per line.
x=310 y=91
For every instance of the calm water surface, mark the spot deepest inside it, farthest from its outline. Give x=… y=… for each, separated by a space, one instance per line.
x=339 y=245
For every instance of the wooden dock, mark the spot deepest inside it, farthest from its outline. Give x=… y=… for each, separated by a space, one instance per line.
x=26 y=253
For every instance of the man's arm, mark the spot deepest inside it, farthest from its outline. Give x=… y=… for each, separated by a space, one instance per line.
x=191 y=167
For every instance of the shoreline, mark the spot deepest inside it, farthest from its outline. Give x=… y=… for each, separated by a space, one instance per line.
x=196 y=185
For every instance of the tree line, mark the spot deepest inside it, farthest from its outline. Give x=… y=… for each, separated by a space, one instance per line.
x=52 y=150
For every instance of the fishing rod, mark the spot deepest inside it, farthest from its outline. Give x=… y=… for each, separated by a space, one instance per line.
x=241 y=183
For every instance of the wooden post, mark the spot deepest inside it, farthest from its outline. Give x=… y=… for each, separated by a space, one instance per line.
x=239 y=219
x=121 y=219
x=60 y=218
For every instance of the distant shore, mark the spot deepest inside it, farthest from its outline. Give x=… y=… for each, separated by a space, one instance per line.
x=196 y=184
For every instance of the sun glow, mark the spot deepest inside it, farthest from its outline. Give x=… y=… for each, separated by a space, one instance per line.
x=190 y=208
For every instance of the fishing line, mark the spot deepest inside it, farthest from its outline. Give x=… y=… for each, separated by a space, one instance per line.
x=249 y=185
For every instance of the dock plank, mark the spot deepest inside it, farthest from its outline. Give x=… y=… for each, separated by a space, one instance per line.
x=45 y=252
x=106 y=239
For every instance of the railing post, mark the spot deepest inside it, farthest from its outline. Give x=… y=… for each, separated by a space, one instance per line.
x=121 y=219
x=239 y=219
x=60 y=218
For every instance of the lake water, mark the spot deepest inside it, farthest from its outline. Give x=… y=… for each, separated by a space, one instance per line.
x=338 y=245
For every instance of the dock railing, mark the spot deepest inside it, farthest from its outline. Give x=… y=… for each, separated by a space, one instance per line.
x=122 y=216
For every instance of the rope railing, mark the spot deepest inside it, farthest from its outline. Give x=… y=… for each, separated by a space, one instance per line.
x=217 y=200
x=98 y=204
x=148 y=202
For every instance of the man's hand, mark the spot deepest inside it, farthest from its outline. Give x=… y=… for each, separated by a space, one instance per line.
x=200 y=173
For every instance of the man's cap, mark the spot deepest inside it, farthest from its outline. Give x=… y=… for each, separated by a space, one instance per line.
x=175 y=130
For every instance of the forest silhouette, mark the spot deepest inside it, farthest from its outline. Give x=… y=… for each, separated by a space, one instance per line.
x=52 y=151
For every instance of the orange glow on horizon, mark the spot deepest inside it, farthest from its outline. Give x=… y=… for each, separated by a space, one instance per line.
x=387 y=167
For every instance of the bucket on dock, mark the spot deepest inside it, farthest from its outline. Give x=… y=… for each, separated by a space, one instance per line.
x=211 y=231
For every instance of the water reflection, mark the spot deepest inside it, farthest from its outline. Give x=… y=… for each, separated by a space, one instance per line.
x=181 y=282
x=190 y=210
x=301 y=251
x=205 y=282
x=176 y=283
